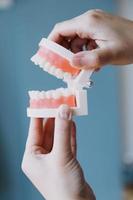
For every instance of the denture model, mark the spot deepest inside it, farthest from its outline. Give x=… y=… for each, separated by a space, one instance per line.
x=55 y=60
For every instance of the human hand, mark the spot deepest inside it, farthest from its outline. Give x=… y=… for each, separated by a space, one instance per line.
x=50 y=159
x=108 y=39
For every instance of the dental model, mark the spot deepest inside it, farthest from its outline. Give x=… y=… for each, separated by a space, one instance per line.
x=55 y=60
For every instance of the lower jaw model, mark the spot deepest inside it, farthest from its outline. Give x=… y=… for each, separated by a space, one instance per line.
x=55 y=60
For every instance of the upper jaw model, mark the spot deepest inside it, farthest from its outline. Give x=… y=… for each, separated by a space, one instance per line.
x=55 y=60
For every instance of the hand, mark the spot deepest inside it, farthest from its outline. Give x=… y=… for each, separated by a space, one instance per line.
x=50 y=159
x=108 y=39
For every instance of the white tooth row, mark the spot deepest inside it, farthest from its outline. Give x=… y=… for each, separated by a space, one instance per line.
x=46 y=66
x=55 y=94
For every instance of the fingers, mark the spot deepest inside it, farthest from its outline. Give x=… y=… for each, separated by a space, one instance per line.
x=62 y=134
x=48 y=134
x=73 y=140
x=64 y=29
x=92 y=59
x=35 y=136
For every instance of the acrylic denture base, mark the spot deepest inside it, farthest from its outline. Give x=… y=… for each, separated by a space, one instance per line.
x=77 y=102
x=54 y=59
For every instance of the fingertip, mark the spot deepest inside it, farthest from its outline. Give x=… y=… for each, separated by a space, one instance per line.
x=65 y=112
x=78 y=60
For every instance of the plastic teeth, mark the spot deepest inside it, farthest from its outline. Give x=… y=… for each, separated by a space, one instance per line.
x=34 y=59
x=55 y=94
x=53 y=70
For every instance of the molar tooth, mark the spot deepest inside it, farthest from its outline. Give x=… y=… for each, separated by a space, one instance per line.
x=61 y=91
x=31 y=94
x=52 y=70
x=41 y=61
x=36 y=94
x=47 y=64
x=56 y=95
x=42 y=65
x=46 y=68
x=67 y=92
x=34 y=59
x=49 y=94
x=42 y=95
x=59 y=73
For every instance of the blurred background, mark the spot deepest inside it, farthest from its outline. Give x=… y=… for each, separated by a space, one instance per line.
x=105 y=140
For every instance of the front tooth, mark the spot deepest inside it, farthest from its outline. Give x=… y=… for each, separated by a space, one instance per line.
x=35 y=59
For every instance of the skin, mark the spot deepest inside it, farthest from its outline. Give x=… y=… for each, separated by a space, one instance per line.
x=50 y=155
x=108 y=39
x=50 y=159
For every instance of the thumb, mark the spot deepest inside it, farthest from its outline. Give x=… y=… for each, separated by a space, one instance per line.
x=93 y=59
x=62 y=133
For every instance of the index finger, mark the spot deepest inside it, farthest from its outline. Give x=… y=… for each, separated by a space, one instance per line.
x=35 y=135
x=64 y=29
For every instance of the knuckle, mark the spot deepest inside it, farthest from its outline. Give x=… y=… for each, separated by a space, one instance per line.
x=95 y=15
x=98 y=11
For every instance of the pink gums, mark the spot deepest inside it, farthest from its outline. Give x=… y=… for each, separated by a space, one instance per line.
x=53 y=103
x=57 y=60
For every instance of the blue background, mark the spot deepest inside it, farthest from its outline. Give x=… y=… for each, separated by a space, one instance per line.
x=21 y=28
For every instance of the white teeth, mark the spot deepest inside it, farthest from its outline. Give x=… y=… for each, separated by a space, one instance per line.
x=55 y=94
x=34 y=94
x=67 y=93
x=41 y=61
x=46 y=67
x=67 y=76
x=42 y=64
x=49 y=94
x=52 y=70
x=42 y=95
x=38 y=60
x=35 y=59
x=59 y=73
x=30 y=94
x=47 y=64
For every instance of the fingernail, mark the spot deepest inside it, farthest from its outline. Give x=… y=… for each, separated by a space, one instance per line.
x=65 y=112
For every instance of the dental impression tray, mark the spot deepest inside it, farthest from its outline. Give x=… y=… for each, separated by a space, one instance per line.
x=55 y=60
